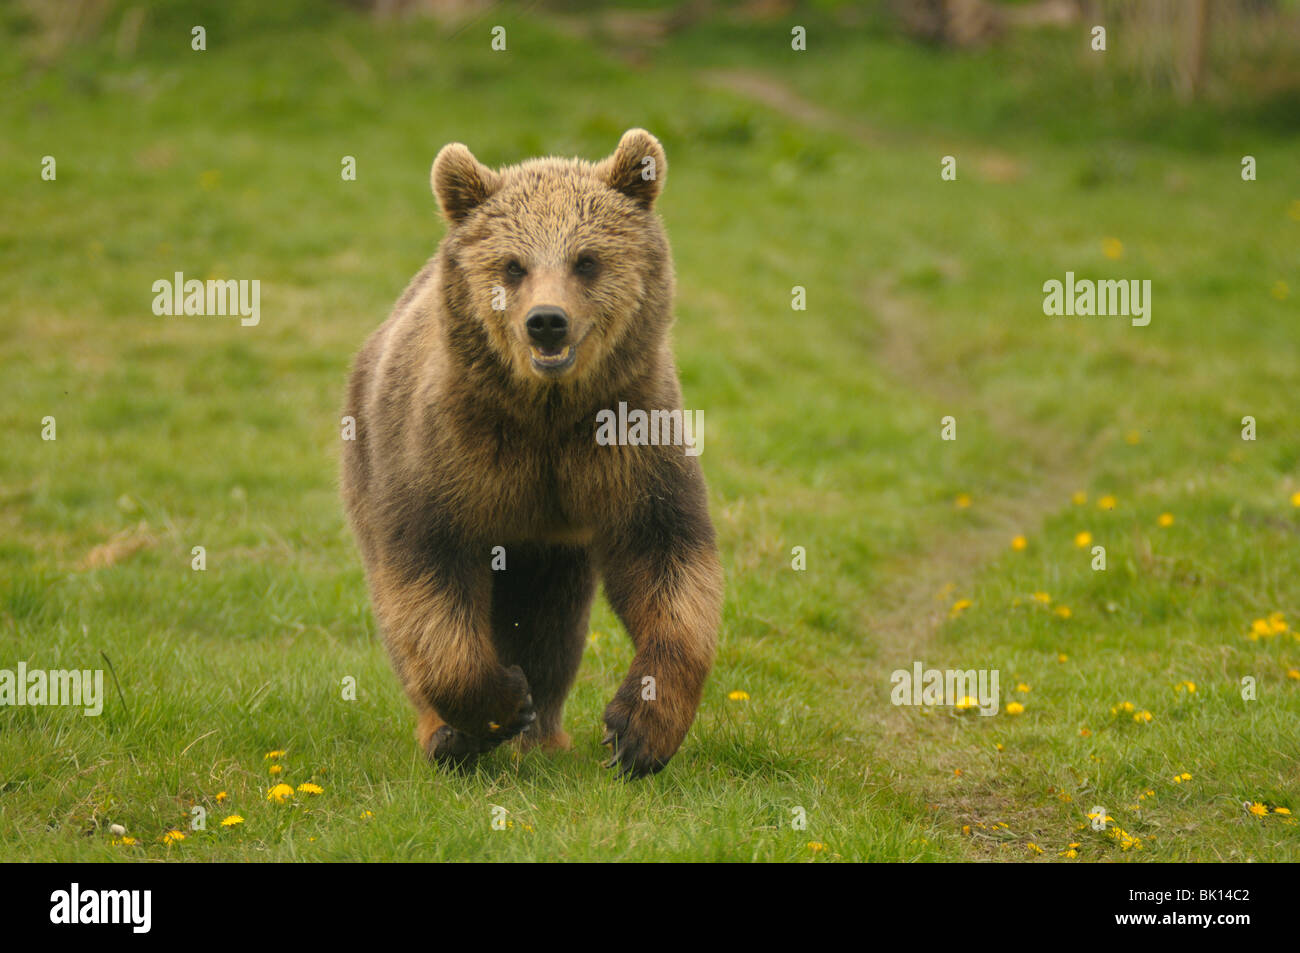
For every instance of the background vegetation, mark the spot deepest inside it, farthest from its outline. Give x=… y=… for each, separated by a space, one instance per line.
x=818 y=169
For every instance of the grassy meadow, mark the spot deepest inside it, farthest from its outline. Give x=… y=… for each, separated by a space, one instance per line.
x=1121 y=688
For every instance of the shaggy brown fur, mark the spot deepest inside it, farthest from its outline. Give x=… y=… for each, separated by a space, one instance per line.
x=465 y=442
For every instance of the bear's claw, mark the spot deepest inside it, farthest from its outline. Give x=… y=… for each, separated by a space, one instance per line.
x=632 y=758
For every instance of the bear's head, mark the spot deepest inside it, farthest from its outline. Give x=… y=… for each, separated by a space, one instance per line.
x=560 y=267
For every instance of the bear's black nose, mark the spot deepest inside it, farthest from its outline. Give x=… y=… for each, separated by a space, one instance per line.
x=548 y=326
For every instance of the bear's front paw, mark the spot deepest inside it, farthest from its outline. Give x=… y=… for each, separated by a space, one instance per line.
x=642 y=735
x=453 y=748
x=517 y=713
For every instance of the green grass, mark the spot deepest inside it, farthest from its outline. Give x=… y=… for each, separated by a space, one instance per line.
x=924 y=300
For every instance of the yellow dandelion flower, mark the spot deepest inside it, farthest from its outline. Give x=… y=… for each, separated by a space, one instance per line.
x=1293 y=674
x=999 y=747
x=1107 y=502
x=1281 y=810
x=1295 y=499
x=232 y=820
x=1015 y=708
x=1043 y=597
x=1063 y=611
x=366 y=815
x=965 y=829
x=308 y=788
x=1260 y=627
x=1078 y=498
x=1277 y=623
x=1126 y=840
x=1122 y=706
x=1165 y=520
x=816 y=846
x=1019 y=543
x=125 y=841
x=172 y=837
x=280 y=793
x=958 y=607
x=1085 y=732
x=272 y=755
x=1143 y=717
x=1022 y=687
x=1063 y=658
x=276 y=769
x=221 y=796
x=1071 y=853
x=966 y=703
x=1083 y=540
x=962 y=501
x=1112 y=248
x=1259 y=810
x=956 y=772
x=1034 y=847
x=738 y=696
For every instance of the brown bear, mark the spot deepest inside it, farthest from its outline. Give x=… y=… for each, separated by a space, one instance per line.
x=483 y=504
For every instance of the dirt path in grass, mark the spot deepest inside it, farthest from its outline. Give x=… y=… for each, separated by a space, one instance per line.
x=778 y=97
x=909 y=614
x=990 y=165
x=905 y=613
x=911 y=602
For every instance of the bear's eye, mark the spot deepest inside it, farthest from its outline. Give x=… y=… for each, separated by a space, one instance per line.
x=514 y=270
x=587 y=266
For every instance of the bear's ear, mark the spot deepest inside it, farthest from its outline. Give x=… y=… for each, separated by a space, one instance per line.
x=460 y=182
x=637 y=167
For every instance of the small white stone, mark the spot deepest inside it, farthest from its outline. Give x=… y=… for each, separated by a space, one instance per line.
x=117 y=830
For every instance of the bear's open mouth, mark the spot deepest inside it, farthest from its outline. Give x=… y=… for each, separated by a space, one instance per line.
x=553 y=358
